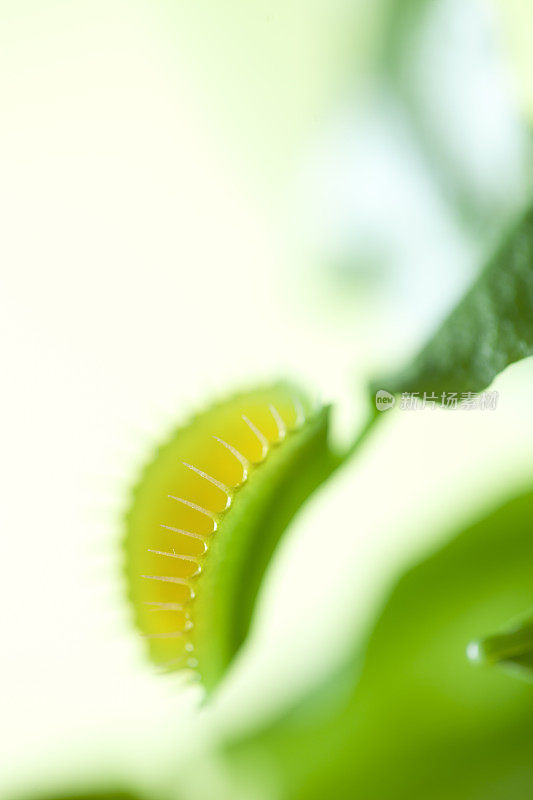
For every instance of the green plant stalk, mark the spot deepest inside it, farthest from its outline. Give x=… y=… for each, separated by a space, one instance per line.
x=512 y=646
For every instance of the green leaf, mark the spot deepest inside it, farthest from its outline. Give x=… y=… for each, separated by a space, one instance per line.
x=409 y=716
x=206 y=517
x=491 y=327
x=513 y=646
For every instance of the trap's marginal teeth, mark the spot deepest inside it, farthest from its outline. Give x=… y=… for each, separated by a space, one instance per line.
x=198 y=536
x=263 y=441
x=214 y=481
x=211 y=514
x=173 y=579
x=193 y=559
x=165 y=667
x=300 y=413
x=190 y=559
x=245 y=464
x=169 y=578
x=280 y=425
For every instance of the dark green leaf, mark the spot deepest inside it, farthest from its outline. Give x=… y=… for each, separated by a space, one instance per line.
x=491 y=327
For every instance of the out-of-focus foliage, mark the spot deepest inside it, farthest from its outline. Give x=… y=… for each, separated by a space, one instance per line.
x=418 y=720
x=490 y=328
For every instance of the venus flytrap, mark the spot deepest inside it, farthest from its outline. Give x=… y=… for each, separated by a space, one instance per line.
x=206 y=517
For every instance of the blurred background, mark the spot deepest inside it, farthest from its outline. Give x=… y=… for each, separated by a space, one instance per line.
x=195 y=197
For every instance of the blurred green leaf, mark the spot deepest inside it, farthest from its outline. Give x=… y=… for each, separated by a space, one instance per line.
x=491 y=327
x=409 y=716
